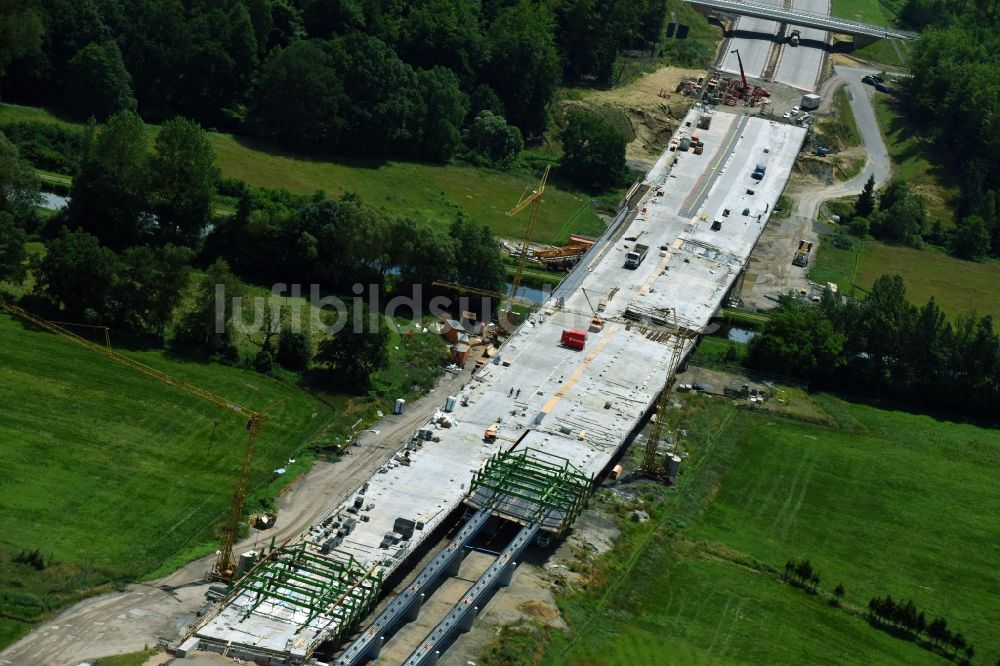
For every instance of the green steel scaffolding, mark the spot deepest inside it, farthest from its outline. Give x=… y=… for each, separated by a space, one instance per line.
x=528 y=485
x=334 y=587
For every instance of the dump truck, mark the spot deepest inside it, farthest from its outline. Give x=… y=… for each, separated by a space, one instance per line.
x=635 y=256
x=573 y=339
x=802 y=254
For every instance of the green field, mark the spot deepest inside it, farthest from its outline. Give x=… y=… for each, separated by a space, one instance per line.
x=866 y=11
x=427 y=191
x=880 y=501
x=884 y=53
x=958 y=286
x=914 y=162
x=110 y=473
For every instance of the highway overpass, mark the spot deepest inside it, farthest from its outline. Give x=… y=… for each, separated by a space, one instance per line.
x=863 y=33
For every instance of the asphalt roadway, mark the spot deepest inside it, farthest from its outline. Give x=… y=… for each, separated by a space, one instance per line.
x=800 y=65
x=754 y=38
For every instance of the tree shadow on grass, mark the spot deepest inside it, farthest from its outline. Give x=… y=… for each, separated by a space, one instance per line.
x=268 y=148
x=916 y=147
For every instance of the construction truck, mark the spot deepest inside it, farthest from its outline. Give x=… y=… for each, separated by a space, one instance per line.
x=635 y=256
x=802 y=254
x=793 y=39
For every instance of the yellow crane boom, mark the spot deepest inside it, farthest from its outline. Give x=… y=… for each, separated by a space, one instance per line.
x=527 y=199
x=224 y=566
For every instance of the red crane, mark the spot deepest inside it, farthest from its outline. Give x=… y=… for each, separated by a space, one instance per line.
x=746 y=86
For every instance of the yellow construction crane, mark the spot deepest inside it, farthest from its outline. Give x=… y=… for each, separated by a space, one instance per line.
x=224 y=567
x=651 y=465
x=527 y=199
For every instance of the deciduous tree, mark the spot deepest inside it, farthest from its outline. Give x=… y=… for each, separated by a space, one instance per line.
x=110 y=195
x=523 y=66
x=77 y=275
x=358 y=350
x=148 y=287
x=593 y=151
x=299 y=97
x=442 y=111
x=18 y=183
x=97 y=83
x=205 y=327
x=183 y=181
x=971 y=238
x=12 y=255
x=491 y=139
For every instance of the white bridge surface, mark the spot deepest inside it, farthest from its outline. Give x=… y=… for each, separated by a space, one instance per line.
x=579 y=405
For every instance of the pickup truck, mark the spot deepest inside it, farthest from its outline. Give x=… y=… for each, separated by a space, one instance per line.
x=635 y=256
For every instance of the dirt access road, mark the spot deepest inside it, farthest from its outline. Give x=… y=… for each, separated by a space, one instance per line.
x=771 y=272
x=132 y=619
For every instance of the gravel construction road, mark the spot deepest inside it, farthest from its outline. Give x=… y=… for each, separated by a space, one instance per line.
x=771 y=272
x=130 y=620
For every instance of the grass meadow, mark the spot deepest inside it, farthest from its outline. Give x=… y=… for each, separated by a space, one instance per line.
x=957 y=285
x=914 y=162
x=867 y=11
x=109 y=473
x=432 y=192
x=883 y=502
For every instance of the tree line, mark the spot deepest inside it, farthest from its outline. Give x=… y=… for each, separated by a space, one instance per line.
x=898 y=214
x=356 y=76
x=953 y=99
x=907 y=617
x=140 y=220
x=884 y=347
x=802 y=574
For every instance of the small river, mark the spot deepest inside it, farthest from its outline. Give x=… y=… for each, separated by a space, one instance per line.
x=52 y=201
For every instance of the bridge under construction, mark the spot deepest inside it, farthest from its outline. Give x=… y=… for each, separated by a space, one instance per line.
x=526 y=438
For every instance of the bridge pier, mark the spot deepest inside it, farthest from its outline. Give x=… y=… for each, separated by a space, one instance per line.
x=413 y=611
x=466 y=625
x=507 y=575
x=455 y=564
x=861 y=41
x=374 y=648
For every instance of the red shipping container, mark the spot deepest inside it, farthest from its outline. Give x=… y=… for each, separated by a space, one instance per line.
x=574 y=339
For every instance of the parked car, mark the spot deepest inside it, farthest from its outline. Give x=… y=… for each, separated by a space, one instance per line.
x=878 y=79
x=870 y=80
x=881 y=88
x=795 y=109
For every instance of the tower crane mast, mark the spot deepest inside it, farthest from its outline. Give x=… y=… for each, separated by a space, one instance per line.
x=533 y=199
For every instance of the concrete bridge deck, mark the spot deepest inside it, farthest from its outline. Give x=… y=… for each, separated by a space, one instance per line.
x=581 y=406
